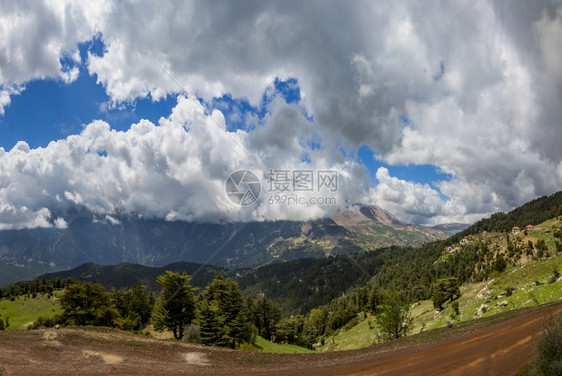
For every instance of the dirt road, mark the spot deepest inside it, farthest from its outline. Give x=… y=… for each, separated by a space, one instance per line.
x=493 y=346
x=498 y=350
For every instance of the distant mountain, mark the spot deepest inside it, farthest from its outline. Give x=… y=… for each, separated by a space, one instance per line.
x=451 y=228
x=128 y=274
x=374 y=227
x=361 y=214
x=297 y=286
x=305 y=283
x=25 y=254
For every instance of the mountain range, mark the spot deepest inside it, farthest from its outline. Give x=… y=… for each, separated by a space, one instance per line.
x=25 y=254
x=305 y=283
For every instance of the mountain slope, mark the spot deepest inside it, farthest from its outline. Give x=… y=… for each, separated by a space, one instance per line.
x=157 y=242
x=374 y=227
x=297 y=285
x=302 y=284
x=24 y=254
x=128 y=274
x=533 y=212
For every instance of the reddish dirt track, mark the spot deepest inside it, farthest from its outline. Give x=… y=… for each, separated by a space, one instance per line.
x=502 y=350
x=498 y=345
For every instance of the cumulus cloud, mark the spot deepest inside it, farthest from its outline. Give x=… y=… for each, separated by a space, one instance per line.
x=418 y=203
x=12 y=217
x=37 y=35
x=473 y=89
x=174 y=170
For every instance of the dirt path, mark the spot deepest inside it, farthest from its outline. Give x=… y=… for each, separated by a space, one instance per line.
x=491 y=346
x=502 y=350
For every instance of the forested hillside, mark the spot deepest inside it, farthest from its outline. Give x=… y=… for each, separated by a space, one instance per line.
x=531 y=213
x=128 y=274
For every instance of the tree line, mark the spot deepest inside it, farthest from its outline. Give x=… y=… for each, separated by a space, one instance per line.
x=37 y=286
x=219 y=315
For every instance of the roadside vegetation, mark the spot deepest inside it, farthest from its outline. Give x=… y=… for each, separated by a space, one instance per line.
x=549 y=349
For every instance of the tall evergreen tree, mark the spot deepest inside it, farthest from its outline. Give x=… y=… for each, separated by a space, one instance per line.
x=88 y=304
x=240 y=330
x=135 y=306
x=175 y=308
x=225 y=299
x=394 y=318
x=210 y=328
x=265 y=315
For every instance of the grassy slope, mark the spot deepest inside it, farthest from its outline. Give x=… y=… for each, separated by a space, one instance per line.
x=270 y=347
x=361 y=335
x=522 y=277
x=24 y=311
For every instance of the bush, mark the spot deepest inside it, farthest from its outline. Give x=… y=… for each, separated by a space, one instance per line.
x=500 y=264
x=46 y=322
x=455 y=309
x=549 y=360
x=192 y=334
x=341 y=317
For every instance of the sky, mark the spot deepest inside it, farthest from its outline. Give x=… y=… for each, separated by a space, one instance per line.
x=438 y=111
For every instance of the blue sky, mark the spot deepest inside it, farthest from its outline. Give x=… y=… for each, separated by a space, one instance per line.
x=49 y=109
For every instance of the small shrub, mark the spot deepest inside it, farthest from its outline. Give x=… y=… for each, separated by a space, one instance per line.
x=555 y=272
x=455 y=308
x=192 y=334
x=533 y=298
x=549 y=360
x=46 y=322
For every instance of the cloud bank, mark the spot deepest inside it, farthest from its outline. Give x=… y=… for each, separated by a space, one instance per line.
x=479 y=99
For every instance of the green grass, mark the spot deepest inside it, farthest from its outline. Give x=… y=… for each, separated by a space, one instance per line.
x=359 y=336
x=24 y=311
x=276 y=348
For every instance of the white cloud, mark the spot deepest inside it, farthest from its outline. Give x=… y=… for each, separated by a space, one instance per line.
x=490 y=119
x=12 y=217
x=60 y=223
x=6 y=94
x=174 y=170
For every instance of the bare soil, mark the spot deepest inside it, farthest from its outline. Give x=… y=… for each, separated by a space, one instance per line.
x=497 y=345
